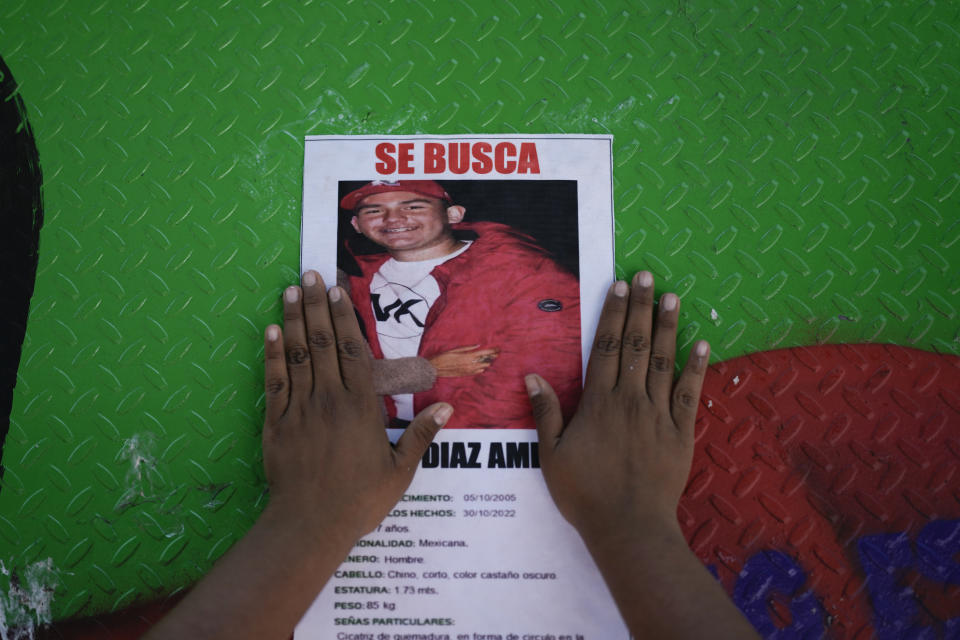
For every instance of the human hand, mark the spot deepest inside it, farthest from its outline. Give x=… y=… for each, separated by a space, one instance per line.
x=326 y=454
x=622 y=462
x=463 y=361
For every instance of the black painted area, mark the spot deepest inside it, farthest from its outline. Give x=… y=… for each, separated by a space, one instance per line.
x=21 y=209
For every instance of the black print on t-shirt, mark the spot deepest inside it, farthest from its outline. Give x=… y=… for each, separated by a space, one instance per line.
x=402 y=307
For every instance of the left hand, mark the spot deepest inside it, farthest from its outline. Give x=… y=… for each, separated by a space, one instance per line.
x=617 y=469
x=327 y=458
x=621 y=463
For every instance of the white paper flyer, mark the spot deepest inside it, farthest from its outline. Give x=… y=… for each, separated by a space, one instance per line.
x=471 y=261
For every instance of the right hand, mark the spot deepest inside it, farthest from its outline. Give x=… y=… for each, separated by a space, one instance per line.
x=622 y=462
x=463 y=361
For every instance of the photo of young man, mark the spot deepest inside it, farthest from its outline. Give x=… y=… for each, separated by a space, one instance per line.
x=459 y=309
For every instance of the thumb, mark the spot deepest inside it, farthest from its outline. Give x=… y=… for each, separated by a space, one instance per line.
x=419 y=434
x=546 y=410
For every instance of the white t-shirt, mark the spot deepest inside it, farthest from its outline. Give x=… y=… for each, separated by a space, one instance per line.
x=401 y=294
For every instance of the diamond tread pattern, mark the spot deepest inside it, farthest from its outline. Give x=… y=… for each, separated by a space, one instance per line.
x=789 y=168
x=810 y=452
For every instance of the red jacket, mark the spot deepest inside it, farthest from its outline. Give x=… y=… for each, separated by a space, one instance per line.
x=503 y=292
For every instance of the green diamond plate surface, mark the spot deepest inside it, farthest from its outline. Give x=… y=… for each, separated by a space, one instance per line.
x=790 y=168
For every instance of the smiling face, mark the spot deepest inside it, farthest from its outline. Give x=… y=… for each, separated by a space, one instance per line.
x=408 y=225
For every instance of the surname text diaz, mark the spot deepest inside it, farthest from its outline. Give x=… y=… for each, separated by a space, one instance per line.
x=470 y=455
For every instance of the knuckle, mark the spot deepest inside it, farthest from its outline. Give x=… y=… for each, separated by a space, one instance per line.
x=275 y=385
x=421 y=437
x=540 y=412
x=637 y=342
x=606 y=344
x=291 y=314
x=321 y=339
x=350 y=348
x=274 y=355
x=642 y=302
x=685 y=398
x=667 y=320
x=342 y=311
x=271 y=436
x=541 y=408
x=313 y=296
x=297 y=354
x=661 y=363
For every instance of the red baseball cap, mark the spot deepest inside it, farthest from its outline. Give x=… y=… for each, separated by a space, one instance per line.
x=427 y=188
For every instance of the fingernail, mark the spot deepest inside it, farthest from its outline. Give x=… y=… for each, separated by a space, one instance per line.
x=645 y=279
x=291 y=294
x=533 y=385
x=669 y=302
x=310 y=278
x=441 y=415
x=620 y=288
x=334 y=294
x=273 y=333
x=702 y=348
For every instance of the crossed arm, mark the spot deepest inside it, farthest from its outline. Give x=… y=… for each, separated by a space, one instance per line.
x=616 y=471
x=410 y=375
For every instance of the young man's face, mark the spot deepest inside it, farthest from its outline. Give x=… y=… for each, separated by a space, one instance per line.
x=408 y=225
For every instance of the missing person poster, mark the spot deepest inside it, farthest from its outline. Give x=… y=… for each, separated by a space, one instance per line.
x=471 y=261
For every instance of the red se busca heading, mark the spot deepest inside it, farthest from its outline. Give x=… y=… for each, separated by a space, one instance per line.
x=457 y=157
